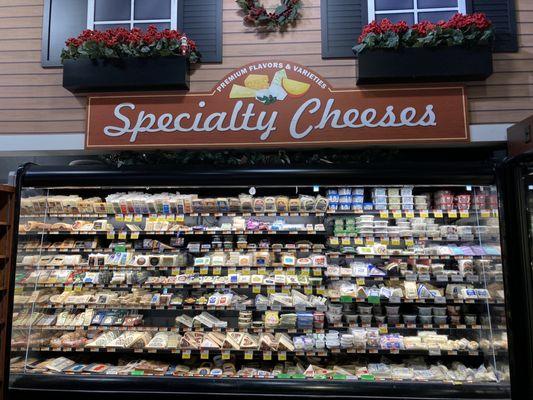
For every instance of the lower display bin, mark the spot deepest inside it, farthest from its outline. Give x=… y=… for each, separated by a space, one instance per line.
x=87 y=387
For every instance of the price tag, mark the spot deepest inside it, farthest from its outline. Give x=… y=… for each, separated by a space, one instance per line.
x=262 y=271
x=434 y=352
x=384 y=214
x=320 y=291
x=452 y=213
x=334 y=241
x=204 y=354
x=305 y=271
x=171 y=217
x=180 y=218
x=203 y=270
x=189 y=270
x=464 y=214
x=424 y=214
x=249 y=355
x=383 y=329
x=384 y=241
x=397 y=214
x=186 y=354
x=138 y=218
x=282 y=356
x=395 y=241
x=358 y=241
x=409 y=242
x=369 y=241
x=308 y=290
x=226 y=355
x=394 y=299
x=119 y=217
x=457 y=278
x=317 y=272
x=346 y=241
x=437 y=213
x=485 y=213
x=409 y=214
x=360 y=281
x=267 y=355
x=134 y=235
x=217 y=270
x=128 y=218
x=271 y=290
x=111 y=235
x=122 y=235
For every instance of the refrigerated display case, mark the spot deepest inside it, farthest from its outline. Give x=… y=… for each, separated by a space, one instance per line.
x=515 y=180
x=354 y=282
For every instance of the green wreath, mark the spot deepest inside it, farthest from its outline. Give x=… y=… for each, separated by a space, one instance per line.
x=256 y=14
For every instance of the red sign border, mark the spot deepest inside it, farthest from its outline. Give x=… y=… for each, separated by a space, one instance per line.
x=292 y=144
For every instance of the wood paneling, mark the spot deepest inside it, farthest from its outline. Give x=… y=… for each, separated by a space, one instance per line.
x=33 y=101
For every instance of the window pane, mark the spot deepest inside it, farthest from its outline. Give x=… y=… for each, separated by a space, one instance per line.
x=407 y=17
x=160 y=25
x=112 y=10
x=436 y=16
x=394 y=4
x=437 y=3
x=152 y=9
x=103 y=27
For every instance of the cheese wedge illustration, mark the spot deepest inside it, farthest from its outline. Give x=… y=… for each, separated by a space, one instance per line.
x=295 y=88
x=241 y=92
x=279 y=76
x=255 y=81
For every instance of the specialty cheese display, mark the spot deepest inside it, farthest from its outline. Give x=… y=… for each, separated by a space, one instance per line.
x=400 y=283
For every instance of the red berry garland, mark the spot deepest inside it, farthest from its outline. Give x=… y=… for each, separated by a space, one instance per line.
x=283 y=15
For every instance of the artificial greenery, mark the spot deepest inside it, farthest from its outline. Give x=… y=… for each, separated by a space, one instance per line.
x=248 y=158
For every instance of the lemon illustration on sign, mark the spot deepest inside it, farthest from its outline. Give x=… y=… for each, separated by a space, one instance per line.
x=295 y=88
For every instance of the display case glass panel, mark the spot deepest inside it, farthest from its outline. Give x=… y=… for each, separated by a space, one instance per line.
x=369 y=283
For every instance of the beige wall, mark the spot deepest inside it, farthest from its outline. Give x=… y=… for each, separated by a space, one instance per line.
x=33 y=101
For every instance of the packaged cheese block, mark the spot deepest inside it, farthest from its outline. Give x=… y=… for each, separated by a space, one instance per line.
x=256 y=81
x=241 y=92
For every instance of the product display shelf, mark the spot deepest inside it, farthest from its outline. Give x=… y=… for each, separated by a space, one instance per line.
x=266 y=355
x=444 y=327
x=158 y=318
x=389 y=213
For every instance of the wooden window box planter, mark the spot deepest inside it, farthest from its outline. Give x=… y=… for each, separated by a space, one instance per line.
x=411 y=65
x=127 y=74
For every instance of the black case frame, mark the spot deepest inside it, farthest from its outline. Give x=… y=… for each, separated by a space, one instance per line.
x=22 y=386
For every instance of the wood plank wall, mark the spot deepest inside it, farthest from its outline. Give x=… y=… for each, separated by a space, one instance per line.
x=33 y=101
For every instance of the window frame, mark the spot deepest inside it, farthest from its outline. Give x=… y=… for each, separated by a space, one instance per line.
x=461 y=7
x=173 y=20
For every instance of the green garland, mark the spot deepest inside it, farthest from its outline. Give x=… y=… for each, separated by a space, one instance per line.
x=231 y=158
x=256 y=14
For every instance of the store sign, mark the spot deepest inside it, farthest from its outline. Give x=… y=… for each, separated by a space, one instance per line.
x=278 y=104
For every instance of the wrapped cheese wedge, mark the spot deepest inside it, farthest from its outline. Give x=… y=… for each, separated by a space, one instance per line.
x=233 y=340
x=102 y=340
x=267 y=342
x=284 y=342
x=249 y=342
